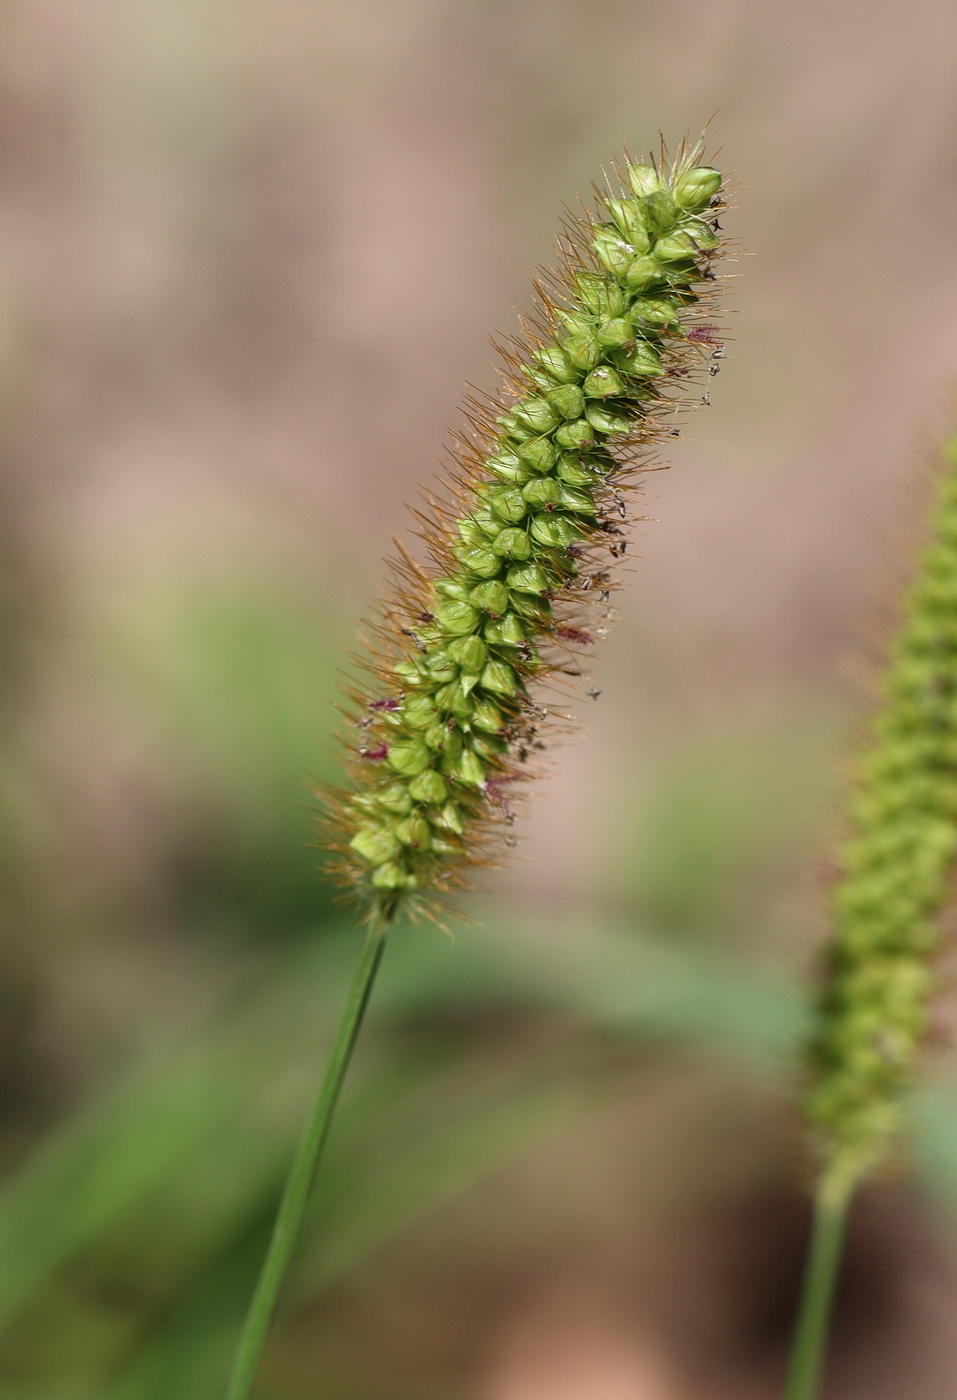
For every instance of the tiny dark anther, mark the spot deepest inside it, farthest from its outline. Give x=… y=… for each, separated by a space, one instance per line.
x=375 y=754
x=574 y=634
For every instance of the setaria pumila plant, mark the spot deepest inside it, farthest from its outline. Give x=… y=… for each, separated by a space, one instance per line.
x=896 y=872
x=521 y=553
x=522 y=550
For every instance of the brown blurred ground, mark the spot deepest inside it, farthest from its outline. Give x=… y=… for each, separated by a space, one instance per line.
x=250 y=254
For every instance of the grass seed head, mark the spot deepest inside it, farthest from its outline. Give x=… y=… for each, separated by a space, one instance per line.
x=521 y=549
x=896 y=871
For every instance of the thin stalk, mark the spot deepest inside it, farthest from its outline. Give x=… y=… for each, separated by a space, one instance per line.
x=304 y=1164
x=817 y=1292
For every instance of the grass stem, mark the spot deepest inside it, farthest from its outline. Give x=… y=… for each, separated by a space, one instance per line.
x=304 y=1164
x=817 y=1292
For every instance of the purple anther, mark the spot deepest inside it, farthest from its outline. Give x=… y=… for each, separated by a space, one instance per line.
x=703 y=335
x=376 y=754
x=493 y=788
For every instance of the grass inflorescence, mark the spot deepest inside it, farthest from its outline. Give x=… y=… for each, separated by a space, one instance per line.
x=896 y=870
x=523 y=547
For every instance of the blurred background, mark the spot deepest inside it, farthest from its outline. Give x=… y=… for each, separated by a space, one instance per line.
x=250 y=254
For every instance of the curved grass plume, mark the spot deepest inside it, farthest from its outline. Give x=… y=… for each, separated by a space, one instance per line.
x=896 y=869
x=522 y=549
x=521 y=553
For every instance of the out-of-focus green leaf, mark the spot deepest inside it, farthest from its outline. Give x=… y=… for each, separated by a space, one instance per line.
x=228 y=684
x=372 y=1187
x=603 y=975
x=96 y=1168
x=182 y=1168
x=702 y=851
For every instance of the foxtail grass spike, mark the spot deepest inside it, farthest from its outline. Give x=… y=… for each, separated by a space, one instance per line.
x=522 y=550
x=896 y=870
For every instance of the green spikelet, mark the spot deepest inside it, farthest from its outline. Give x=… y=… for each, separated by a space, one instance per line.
x=896 y=870
x=525 y=545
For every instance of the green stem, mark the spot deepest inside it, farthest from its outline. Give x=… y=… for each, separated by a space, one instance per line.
x=817 y=1292
x=304 y=1163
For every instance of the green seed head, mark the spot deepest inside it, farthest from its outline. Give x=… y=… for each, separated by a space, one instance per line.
x=696 y=187
x=659 y=212
x=896 y=871
x=615 y=252
x=628 y=219
x=429 y=786
x=644 y=179
x=575 y=436
x=530 y=540
x=569 y=401
x=456 y=618
x=644 y=272
x=552 y=359
x=583 y=351
x=491 y=597
x=539 y=454
x=544 y=491
x=469 y=652
x=603 y=383
x=513 y=544
x=644 y=361
x=675 y=247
